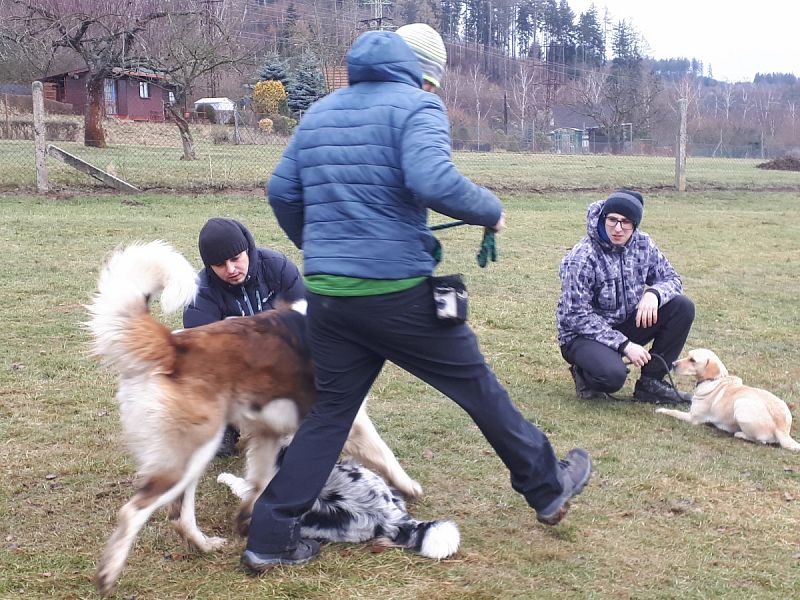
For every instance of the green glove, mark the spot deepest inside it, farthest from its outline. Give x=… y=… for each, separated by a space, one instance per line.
x=488 y=249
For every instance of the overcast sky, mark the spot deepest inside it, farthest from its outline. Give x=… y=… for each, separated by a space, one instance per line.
x=735 y=39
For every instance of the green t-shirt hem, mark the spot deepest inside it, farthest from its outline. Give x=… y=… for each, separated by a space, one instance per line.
x=337 y=285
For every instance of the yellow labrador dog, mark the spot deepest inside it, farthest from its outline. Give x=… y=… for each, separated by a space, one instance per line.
x=722 y=400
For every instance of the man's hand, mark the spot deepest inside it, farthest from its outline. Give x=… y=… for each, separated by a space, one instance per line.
x=637 y=354
x=647 y=311
x=501 y=224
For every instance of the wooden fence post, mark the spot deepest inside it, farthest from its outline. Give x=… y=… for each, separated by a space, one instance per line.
x=680 y=147
x=8 y=118
x=39 y=137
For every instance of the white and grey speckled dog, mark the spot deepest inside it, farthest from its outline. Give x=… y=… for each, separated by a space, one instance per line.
x=356 y=505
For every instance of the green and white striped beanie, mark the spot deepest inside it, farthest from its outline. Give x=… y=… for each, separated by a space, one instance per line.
x=429 y=48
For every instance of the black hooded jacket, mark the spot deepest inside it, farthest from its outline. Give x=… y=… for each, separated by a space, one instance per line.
x=271 y=276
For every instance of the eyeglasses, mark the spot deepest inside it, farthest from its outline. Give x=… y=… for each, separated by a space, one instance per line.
x=625 y=224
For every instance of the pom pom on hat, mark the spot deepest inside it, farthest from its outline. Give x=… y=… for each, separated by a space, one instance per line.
x=429 y=48
x=221 y=239
x=627 y=203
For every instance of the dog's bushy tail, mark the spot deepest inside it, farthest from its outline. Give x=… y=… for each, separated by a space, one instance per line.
x=432 y=539
x=119 y=317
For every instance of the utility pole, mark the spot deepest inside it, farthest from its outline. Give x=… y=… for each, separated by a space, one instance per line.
x=377 y=20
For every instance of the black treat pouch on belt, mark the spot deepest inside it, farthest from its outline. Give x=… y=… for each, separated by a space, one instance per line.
x=450 y=297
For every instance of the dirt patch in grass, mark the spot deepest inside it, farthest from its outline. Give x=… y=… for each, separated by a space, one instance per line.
x=784 y=163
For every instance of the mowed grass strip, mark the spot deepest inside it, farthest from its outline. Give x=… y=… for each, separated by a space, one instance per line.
x=228 y=166
x=673 y=511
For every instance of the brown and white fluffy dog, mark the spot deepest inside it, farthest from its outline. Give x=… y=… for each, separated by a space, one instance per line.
x=722 y=400
x=177 y=390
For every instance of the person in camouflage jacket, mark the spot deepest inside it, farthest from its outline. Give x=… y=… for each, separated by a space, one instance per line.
x=618 y=293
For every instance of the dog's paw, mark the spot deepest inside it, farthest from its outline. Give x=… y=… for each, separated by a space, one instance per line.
x=661 y=410
x=215 y=543
x=205 y=544
x=414 y=489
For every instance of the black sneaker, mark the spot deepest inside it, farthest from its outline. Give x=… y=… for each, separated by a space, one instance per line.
x=581 y=389
x=656 y=391
x=228 y=445
x=575 y=470
x=305 y=551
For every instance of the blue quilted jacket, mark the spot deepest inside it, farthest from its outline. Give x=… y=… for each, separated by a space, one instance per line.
x=601 y=284
x=355 y=183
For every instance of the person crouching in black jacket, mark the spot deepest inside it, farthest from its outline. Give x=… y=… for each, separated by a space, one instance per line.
x=239 y=279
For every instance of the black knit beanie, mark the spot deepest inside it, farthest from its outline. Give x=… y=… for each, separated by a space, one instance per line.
x=627 y=203
x=221 y=239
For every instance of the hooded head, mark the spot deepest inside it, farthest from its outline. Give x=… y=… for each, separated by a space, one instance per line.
x=222 y=239
x=429 y=49
x=627 y=203
x=382 y=56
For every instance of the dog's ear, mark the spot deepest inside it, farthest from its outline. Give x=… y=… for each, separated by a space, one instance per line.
x=712 y=369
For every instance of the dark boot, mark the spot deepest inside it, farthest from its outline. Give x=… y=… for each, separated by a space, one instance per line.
x=575 y=470
x=305 y=551
x=581 y=388
x=656 y=391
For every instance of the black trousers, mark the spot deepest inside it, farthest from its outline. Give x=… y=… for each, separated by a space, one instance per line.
x=350 y=340
x=602 y=367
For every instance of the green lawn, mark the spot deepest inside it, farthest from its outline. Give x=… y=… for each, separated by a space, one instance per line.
x=672 y=511
x=247 y=167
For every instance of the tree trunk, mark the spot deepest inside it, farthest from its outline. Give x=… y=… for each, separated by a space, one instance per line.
x=186 y=135
x=93 y=134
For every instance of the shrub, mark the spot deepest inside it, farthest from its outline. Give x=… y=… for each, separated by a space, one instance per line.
x=284 y=125
x=268 y=97
x=265 y=125
x=220 y=136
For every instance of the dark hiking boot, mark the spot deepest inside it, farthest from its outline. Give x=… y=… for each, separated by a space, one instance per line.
x=305 y=551
x=581 y=389
x=656 y=391
x=228 y=445
x=575 y=470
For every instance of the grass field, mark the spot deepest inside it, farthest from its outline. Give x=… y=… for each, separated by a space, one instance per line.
x=672 y=511
x=246 y=167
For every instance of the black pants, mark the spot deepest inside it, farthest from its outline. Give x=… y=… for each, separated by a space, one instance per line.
x=602 y=367
x=351 y=338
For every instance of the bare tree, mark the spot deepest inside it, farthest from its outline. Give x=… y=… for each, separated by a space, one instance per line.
x=524 y=93
x=479 y=87
x=193 y=46
x=108 y=36
x=616 y=101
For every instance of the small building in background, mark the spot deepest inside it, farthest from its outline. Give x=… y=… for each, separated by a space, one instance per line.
x=221 y=109
x=139 y=95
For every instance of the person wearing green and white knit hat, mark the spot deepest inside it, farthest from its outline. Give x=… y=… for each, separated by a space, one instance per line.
x=429 y=48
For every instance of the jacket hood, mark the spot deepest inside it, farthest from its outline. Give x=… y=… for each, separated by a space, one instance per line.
x=251 y=255
x=593 y=228
x=383 y=56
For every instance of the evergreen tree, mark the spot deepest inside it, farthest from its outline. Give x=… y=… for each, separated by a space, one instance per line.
x=274 y=68
x=591 y=45
x=307 y=84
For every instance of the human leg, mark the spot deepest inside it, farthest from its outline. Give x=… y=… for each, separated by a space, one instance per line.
x=404 y=329
x=344 y=372
x=596 y=367
x=669 y=337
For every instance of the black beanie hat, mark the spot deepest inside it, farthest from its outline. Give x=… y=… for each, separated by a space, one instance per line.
x=221 y=239
x=627 y=203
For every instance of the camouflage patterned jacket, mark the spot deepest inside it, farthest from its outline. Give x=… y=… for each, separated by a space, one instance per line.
x=601 y=284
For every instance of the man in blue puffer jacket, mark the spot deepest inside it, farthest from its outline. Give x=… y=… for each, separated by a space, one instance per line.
x=619 y=292
x=353 y=190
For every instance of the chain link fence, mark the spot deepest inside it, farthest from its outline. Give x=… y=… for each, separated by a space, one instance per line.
x=239 y=155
